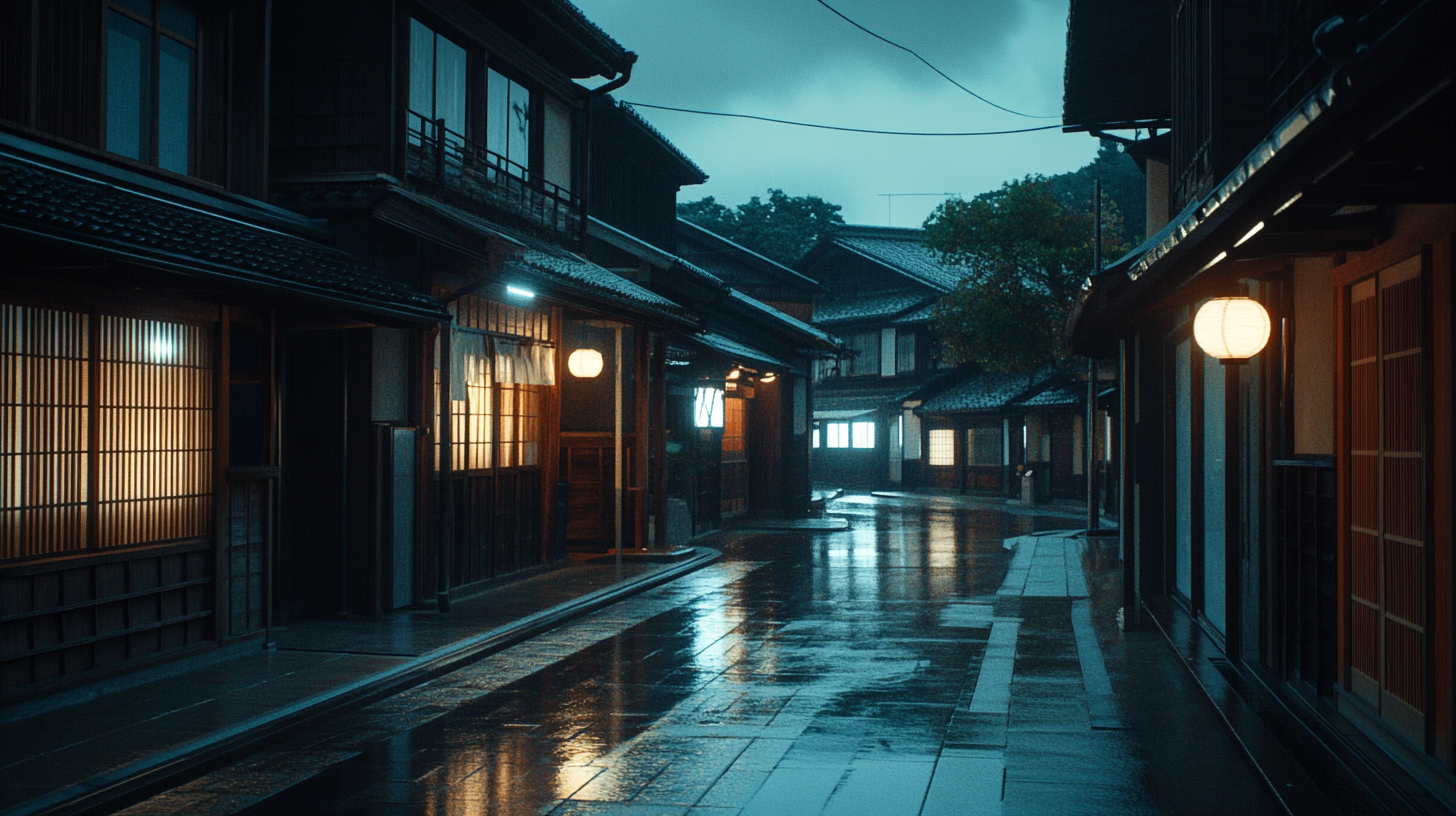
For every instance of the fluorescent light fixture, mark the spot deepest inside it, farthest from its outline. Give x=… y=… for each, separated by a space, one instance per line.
x=519 y=292
x=1220 y=256
x=1250 y=234
x=1290 y=203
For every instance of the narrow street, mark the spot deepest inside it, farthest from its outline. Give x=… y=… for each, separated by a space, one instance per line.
x=911 y=664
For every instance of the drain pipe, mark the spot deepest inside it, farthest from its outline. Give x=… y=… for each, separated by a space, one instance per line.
x=585 y=180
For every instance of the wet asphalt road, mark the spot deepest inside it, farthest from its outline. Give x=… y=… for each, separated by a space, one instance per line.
x=910 y=665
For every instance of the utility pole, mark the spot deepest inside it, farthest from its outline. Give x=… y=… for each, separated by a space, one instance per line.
x=1092 y=367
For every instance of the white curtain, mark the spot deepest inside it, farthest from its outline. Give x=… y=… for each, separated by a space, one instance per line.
x=525 y=363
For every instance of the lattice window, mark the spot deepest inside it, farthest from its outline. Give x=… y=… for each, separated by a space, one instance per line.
x=862 y=435
x=983 y=446
x=733 y=422
x=473 y=312
x=143 y=472
x=942 y=448
x=520 y=425
x=44 y=467
x=836 y=435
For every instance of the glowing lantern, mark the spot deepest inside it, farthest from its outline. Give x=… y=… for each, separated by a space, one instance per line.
x=584 y=363
x=1233 y=329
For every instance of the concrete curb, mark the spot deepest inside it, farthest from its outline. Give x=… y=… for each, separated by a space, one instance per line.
x=102 y=793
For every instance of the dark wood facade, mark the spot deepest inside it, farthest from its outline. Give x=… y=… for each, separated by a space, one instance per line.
x=1298 y=506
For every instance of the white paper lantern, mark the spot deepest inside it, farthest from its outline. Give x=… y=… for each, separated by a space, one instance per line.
x=1232 y=328
x=584 y=363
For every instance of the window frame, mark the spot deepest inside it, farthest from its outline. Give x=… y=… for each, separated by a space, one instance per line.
x=150 y=120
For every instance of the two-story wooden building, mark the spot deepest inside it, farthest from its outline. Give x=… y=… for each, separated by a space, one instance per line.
x=878 y=286
x=1296 y=506
x=728 y=417
x=286 y=289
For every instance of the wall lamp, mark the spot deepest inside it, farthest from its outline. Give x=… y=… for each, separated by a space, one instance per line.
x=520 y=292
x=1233 y=329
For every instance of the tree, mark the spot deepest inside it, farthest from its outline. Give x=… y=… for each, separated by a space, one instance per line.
x=783 y=228
x=1025 y=253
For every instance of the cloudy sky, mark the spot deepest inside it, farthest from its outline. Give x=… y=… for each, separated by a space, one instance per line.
x=794 y=59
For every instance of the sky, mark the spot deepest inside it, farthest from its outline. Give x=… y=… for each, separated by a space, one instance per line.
x=794 y=59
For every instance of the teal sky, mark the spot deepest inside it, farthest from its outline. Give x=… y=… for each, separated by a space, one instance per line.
x=793 y=59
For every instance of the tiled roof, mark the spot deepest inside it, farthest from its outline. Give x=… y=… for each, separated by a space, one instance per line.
x=921 y=315
x=900 y=248
x=728 y=253
x=1055 y=396
x=650 y=253
x=860 y=401
x=847 y=310
x=57 y=204
x=735 y=349
x=637 y=118
x=985 y=392
x=790 y=323
x=568 y=269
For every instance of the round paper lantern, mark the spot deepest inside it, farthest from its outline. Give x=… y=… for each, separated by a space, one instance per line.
x=1233 y=329
x=585 y=363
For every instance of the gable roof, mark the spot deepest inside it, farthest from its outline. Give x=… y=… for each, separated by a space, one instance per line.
x=899 y=249
x=688 y=172
x=726 y=253
x=873 y=307
x=984 y=393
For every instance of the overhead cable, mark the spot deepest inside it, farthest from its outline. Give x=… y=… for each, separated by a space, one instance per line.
x=837 y=127
x=943 y=74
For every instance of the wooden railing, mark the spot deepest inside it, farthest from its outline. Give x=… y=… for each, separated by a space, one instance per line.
x=440 y=159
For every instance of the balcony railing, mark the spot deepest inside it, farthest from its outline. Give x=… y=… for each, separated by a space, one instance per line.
x=440 y=158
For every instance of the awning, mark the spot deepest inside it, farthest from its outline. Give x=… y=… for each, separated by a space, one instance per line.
x=736 y=350
x=45 y=200
x=842 y=415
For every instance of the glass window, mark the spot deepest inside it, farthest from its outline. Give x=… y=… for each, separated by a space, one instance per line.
x=837 y=435
x=983 y=446
x=905 y=352
x=151 y=82
x=942 y=448
x=862 y=435
x=437 y=84
x=508 y=122
x=814 y=440
x=863 y=354
x=708 y=408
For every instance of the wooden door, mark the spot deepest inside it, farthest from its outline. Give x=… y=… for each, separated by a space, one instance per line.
x=1385 y=402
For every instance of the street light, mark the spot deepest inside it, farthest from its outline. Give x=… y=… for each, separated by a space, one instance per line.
x=584 y=363
x=1233 y=329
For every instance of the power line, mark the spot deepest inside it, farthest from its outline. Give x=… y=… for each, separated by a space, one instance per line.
x=912 y=53
x=836 y=127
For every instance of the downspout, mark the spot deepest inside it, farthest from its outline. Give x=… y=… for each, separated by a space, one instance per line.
x=585 y=180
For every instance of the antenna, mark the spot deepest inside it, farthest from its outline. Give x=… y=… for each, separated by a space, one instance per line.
x=890 y=200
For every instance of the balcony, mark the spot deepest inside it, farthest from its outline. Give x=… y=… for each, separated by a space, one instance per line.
x=465 y=174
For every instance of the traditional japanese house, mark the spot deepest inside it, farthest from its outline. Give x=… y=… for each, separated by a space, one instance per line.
x=150 y=306
x=1295 y=505
x=729 y=417
x=986 y=429
x=447 y=141
x=879 y=284
x=747 y=271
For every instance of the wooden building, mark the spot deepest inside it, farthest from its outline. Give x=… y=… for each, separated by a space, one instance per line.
x=728 y=415
x=878 y=286
x=284 y=295
x=985 y=430
x=1296 y=507
x=150 y=310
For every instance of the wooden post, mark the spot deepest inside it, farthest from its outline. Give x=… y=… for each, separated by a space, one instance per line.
x=640 y=388
x=617 y=444
x=658 y=420
x=446 y=537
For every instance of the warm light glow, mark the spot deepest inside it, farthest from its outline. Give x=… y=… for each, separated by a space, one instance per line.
x=1220 y=256
x=768 y=378
x=735 y=374
x=519 y=292
x=1232 y=329
x=1290 y=203
x=584 y=363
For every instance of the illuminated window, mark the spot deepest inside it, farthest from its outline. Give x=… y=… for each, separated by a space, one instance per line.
x=520 y=418
x=708 y=408
x=152 y=467
x=733 y=423
x=942 y=448
x=836 y=435
x=862 y=435
x=814 y=442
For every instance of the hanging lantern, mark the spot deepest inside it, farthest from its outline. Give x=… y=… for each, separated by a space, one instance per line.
x=1233 y=329
x=584 y=363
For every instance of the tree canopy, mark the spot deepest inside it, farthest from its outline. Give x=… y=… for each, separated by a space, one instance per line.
x=783 y=228
x=1025 y=249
